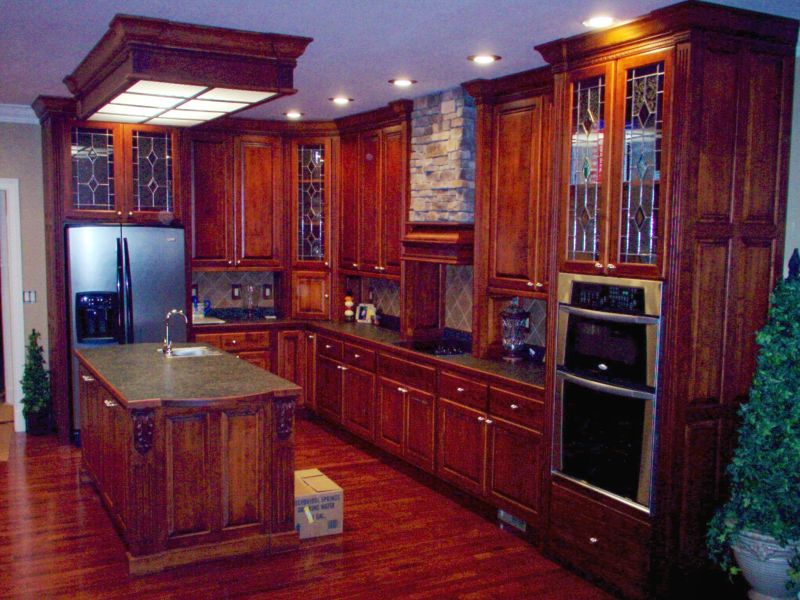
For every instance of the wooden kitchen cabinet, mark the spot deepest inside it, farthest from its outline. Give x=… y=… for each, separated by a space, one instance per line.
x=374 y=188
x=292 y=360
x=329 y=389
x=310 y=295
x=358 y=402
x=311 y=177
x=462 y=446
x=252 y=346
x=123 y=173
x=236 y=202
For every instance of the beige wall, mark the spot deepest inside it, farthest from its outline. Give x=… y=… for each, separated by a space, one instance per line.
x=21 y=158
x=793 y=204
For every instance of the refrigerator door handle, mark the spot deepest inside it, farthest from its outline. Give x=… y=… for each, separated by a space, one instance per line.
x=121 y=321
x=128 y=295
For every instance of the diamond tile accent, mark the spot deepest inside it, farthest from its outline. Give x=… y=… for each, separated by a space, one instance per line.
x=216 y=286
x=387 y=295
x=458 y=298
x=538 y=321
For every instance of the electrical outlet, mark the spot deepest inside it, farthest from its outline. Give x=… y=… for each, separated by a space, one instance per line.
x=29 y=297
x=236 y=291
x=266 y=291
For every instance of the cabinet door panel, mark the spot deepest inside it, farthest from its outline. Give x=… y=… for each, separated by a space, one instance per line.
x=329 y=388
x=258 y=206
x=189 y=507
x=242 y=481
x=389 y=434
x=514 y=464
x=358 y=402
x=258 y=358
x=212 y=229
x=393 y=192
x=419 y=433
x=292 y=359
x=462 y=445
x=310 y=295
x=369 y=200
x=152 y=159
x=348 y=213
x=96 y=166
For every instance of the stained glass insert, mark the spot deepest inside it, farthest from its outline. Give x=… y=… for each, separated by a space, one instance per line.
x=152 y=171
x=311 y=202
x=586 y=168
x=92 y=153
x=644 y=102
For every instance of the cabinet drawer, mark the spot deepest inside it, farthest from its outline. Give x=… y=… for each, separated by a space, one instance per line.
x=212 y=339
x=359 y=357
x=249 y=340
x=329 y=347
x=258 y=358
x=408 y=373
x=600 y=541
x=463 y=390
x=522 y=410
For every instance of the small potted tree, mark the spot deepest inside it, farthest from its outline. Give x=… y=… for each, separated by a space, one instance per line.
x=759 y=525
x=36 y=402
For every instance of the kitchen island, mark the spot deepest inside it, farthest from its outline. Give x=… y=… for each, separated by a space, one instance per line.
x=192 y=456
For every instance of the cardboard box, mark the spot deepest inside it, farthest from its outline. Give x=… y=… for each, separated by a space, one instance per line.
x=318 y=504
x=6 y=429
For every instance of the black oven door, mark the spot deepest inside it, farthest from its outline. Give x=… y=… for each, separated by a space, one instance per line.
x=604 y=437
x=612 y=347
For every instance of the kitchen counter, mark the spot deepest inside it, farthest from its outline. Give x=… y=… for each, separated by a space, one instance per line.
x=192 y=457
x=141 y=376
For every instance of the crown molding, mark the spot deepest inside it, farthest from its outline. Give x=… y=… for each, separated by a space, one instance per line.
x=17 y=113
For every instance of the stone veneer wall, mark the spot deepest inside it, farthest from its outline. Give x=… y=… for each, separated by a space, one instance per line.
x=443 y=157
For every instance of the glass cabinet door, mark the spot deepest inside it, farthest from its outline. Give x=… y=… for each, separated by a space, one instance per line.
x=587 y=175
x=637 y=226
x=152 y=164
x=95 y=172
x=311 y=187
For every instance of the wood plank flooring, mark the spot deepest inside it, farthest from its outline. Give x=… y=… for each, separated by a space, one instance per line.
x=402 y=539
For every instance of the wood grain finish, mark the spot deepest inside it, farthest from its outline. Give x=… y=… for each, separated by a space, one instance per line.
x=358 y=402
x=462 y=445
x=329 y=389
x=211 y=210
x=310 y=295
x=292 y=359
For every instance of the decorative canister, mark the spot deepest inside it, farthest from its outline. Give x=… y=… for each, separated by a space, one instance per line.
x=515 y=321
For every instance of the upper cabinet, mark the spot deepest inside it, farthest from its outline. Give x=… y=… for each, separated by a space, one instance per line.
x=374 y=188
x=614 y=186
x=122 y=173
x=311 y=202
x=237 y=212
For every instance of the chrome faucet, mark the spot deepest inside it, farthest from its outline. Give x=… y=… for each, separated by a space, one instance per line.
x=167 y=347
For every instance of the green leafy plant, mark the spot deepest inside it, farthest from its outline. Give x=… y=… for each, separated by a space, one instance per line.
x=35 y=379
x=765 y=471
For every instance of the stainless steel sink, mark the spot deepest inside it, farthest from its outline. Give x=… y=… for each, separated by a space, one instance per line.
x=193 y=351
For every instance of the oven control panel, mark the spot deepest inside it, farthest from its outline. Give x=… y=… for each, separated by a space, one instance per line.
x=608 y=298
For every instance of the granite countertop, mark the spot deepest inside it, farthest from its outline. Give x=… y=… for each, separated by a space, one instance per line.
x=140 y=375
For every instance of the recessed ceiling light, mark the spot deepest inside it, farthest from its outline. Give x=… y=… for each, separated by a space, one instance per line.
x=598 y=22
x=484 y=59
x=403 y=82
x=341 y=100
x=293 y=114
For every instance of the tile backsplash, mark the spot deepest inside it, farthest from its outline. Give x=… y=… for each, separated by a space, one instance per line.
x=387 y=295
x=216 y=287
x=537 y=321
x=458 y=298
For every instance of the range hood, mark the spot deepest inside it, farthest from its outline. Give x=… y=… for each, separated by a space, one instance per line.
x=161 y=72
x=439 y=242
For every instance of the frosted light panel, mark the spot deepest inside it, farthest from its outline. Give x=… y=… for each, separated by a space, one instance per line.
x=105 y=117
x=212 y=105
x=146 y=100
x=124 y=109
x=174 y=122
x=191 y=114
x=162 y=88
x=247 y=96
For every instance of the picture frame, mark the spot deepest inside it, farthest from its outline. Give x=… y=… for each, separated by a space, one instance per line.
x=365 y=312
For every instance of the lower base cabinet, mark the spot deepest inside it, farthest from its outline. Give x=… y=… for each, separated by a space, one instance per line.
x=406 y=422
x=329 y=389
x=358 y=402
x=292 y=359
x=252 y=346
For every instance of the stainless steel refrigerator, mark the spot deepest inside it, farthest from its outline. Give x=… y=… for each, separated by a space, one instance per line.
x=122 y=280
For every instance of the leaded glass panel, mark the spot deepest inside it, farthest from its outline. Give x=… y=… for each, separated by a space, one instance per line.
x=92 y=153
x=152 y=171
x=644 y=102
x=311 y=202
x=586 y=168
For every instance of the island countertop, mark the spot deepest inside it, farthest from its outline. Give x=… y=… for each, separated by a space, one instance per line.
x=140 y=375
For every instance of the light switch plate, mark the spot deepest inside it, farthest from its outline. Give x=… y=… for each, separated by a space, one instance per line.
x=236 y=291
x=266 y=291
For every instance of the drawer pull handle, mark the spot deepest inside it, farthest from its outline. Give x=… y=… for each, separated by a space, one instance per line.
x=602 y=367
x=355 y=265
x=109 y=403
x=514 y=406
x=402 y=390
x=530 y=284
x=311 y=337
x=233 y=342
x=489 y=421
x=539 y=285
x=598 y=265
x=459 y=389
x=356 y=356
x=481 y=419
x=87 y=378
x=593 y=540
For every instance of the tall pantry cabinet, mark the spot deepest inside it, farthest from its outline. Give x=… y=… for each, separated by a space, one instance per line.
x=671 y=163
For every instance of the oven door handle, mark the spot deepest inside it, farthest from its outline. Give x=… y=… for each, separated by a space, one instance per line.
x=607 y=316
x=607 y=388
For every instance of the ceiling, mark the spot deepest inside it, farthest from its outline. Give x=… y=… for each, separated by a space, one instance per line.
x=358 y=44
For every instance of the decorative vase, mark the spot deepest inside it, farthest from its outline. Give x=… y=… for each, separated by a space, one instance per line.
x=765 y=565
x=38 y=423
x=514 y=321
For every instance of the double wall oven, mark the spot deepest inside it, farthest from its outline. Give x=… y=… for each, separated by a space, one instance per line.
x=607 y=349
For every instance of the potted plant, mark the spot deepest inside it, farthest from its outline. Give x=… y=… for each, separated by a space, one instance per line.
x=36 y=402
x=759 y=525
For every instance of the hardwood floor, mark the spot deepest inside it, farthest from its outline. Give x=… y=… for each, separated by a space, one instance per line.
x=402 y=539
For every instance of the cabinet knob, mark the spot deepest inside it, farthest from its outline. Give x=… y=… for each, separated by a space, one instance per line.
x=539 y=285
x=530 y=284
x=130 y=213
x=402 y=390
x=355 y=265
x=109 y=403
x=238 y=262
x=514 y=407
x=481 y=419
x=87 y=378
x=611 y=267
x=328 y=346
x=326 y=263
x=238 y=356
x=230 y=262
x=593 y=540
x=356 y=356
x=325 y=296
x=459 y=389
x=489 y=421
x=377 y=268
x=119 y=213
x=233 y=342
x=341 y=368
x=598 y=265
x=311 y=337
